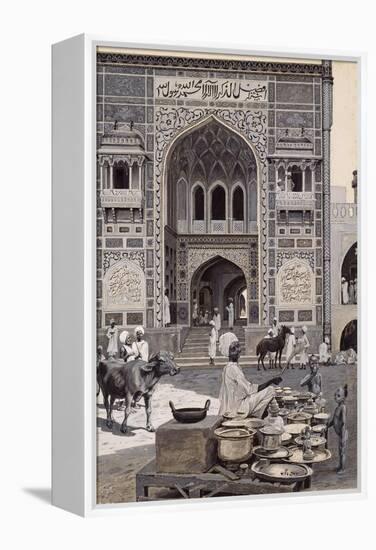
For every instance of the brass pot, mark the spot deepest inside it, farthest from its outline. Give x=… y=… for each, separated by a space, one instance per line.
x=271 y=437
x=234 y=444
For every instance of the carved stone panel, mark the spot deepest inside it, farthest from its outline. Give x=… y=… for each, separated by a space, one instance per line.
x=295 y=283
x=124 y=286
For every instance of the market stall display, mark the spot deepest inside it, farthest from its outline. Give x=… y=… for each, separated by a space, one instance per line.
x=201 y=456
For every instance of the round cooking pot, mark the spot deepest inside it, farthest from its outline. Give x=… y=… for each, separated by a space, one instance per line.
x=321 y=418
x=189 y=415
x=271 y=437
x=234 y=444
x=289 y=402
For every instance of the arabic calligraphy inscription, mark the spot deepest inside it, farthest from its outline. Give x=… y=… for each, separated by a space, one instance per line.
x=295 y=281
x=213 y=89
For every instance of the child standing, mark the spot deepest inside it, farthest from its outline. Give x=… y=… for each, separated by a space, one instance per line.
x=339 y=423
x=313 y=380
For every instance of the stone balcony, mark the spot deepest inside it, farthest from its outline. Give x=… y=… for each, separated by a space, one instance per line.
x=295 y=200
x=343 y=212
x=121 y=198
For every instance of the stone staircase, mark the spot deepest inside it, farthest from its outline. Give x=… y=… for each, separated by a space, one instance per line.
x=195 y=349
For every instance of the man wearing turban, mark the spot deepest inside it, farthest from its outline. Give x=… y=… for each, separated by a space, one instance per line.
x=239 y=396
x=140 y=347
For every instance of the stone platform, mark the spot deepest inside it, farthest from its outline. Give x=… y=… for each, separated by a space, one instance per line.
x=186 y=448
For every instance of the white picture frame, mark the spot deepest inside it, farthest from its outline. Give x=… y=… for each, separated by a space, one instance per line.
x=74 y=260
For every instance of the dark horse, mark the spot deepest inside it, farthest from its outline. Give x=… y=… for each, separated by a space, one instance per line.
x=275 y=344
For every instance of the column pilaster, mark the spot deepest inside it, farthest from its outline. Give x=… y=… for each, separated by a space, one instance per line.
x=111 y=164
x=327 y=114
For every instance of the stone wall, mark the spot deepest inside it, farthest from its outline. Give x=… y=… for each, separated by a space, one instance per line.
x=293 y=100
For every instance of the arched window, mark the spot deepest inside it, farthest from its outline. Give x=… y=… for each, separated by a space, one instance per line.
x=349 y=277
x=199 y=204
x=238 y=204
x=297 y=179
x=218 y=203
x=121 y=176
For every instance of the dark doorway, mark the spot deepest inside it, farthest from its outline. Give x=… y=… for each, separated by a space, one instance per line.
x=214 y=282
x=349 y=337
x=350 y=266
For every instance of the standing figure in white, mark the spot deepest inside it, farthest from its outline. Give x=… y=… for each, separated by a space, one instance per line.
x=212 y=349
x=166 y=309
x=230 y=310
x=217 y=321
x=345 y=291
x=112 y=335
x=290 y=348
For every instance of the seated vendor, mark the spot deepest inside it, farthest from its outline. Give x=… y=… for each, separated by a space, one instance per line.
x=239 y=396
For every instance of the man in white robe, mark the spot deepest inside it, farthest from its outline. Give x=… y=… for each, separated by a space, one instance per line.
x=112 y=335
x=166 y=309
x=238 y=395
x=324 y=354
x=345 y=291
x=140 y=347
x=230 y=310
x=126 y=351
x=217 y=321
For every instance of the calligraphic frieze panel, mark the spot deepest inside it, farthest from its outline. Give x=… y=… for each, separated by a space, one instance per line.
x=210 y=89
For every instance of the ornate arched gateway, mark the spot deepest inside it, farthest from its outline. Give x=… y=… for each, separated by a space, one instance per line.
x=211 y=203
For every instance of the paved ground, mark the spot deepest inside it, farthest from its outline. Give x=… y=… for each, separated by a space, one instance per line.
x=121 y=456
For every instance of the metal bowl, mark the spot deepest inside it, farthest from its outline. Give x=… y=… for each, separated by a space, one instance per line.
x=286 y=438
x=316 y=441
x=319 y=455
x=299 y=418
x=255 y=423
x=284 y=473
x=277 y=454
x=295 y=429
x=189 y=415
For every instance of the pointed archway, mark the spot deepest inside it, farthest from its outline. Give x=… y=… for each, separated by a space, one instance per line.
x=349 y=336
x=220 y=199
x=213 y=283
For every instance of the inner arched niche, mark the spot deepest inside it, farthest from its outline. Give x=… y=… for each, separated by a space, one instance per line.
x=211 y=152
